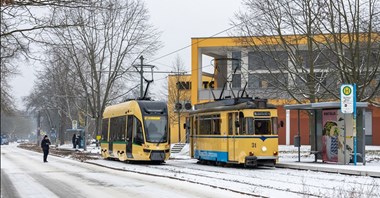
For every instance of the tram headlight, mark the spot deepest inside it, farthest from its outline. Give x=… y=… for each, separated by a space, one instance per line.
x=264 y=148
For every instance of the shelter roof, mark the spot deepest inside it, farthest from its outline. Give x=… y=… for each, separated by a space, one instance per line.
x=322 y=105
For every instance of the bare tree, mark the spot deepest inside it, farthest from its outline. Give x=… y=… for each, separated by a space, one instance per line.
x=113 y=35
x=21 y=21
x=178 y=95
x=56 y=96
x=308 y=48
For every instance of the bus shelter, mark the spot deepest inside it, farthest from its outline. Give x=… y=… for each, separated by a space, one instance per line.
x=70 y=132
x=332 y=133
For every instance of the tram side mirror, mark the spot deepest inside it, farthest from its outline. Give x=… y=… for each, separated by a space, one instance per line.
x=281 y=123
x=184 y=126
x=237 y=124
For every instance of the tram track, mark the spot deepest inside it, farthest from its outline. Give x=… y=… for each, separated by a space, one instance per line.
x=241 y=182
x=281 y=173
x=322 y=186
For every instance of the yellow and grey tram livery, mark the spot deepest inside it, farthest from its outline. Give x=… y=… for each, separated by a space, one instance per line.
x=234 y=131
x=136 y=130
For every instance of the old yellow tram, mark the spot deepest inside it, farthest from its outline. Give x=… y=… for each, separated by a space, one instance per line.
x=234 y=131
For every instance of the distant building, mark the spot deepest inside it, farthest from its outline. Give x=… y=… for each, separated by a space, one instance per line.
x=179 y=103
x=240 y=70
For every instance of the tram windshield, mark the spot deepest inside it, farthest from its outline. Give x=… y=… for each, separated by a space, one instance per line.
x=156 y=129
x=263 y=127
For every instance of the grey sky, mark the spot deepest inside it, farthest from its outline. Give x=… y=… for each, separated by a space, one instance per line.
x=178 y=20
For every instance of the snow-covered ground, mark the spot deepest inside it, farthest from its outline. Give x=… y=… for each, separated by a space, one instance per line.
x=267 y=182
x=286 y=153
x=260 y=182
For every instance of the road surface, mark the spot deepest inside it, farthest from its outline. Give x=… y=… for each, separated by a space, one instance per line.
x=23 y=174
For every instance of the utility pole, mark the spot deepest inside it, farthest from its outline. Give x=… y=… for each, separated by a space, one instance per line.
x=178 y=110
x=141 y=77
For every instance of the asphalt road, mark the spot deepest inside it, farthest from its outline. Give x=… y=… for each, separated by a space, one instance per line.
x=23 y=174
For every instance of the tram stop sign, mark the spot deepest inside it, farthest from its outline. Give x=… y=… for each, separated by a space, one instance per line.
x=347 y=98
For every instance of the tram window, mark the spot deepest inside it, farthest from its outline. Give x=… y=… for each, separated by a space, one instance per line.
x=216 y=126
x=195 y=126
x=242 y=128
x=155 y=128
x=137 y=131
x=230 y=127
x=209 y=125
x=249 y=126
x=205 y=125
x=105 y=129
x=117 y=128
x=262 y=127
x=275 y=126
x=130 y=127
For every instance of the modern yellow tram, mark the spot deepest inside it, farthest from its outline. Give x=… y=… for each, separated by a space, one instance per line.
x=136 y=130
x=234 y=131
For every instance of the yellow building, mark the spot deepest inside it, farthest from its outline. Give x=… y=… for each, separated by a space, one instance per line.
x=273 y=67
x=179 y=102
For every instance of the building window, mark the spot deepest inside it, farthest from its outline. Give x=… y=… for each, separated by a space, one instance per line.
x=267 y=60
x=320 y=58
x=266 y=80
x=236 y=61
x=253 y=81
x=236 y=81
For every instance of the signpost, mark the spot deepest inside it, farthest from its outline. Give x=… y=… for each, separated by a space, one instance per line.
x=348 y=106
x=74 y=124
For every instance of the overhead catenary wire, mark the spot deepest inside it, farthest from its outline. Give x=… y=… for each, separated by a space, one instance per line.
x=199 y=41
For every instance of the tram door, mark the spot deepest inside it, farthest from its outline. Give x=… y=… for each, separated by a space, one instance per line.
x=190 y=126
x=232 y=130
x=129 y=136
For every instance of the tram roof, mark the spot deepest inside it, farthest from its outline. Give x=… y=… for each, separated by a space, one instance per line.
x=231 y=105
x=322 y=105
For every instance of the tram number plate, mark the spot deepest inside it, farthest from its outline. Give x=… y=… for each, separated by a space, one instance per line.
x=253 y=145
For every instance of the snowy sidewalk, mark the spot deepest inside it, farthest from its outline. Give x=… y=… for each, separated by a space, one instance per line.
x=359 y=169
x=288 y=158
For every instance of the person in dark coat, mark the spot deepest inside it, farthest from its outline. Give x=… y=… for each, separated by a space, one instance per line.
x=45 y=143
x=74 y=140
x=79 y=141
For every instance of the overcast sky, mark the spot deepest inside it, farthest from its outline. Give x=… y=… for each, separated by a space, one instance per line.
x=178 y=20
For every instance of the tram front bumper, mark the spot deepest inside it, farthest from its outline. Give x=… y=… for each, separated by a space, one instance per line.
x=250 y=161
x=157 y=156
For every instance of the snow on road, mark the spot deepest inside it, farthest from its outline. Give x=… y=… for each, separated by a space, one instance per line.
x=179 y=177
x=62 y=177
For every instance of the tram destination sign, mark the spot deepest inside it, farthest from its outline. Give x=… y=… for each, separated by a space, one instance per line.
x=261 y=113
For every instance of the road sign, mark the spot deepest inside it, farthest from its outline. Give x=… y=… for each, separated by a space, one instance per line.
x=347 y=98
x=74 y=124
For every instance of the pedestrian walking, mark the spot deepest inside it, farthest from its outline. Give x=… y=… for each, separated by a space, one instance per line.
x=74 y=140
x=45 y=144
